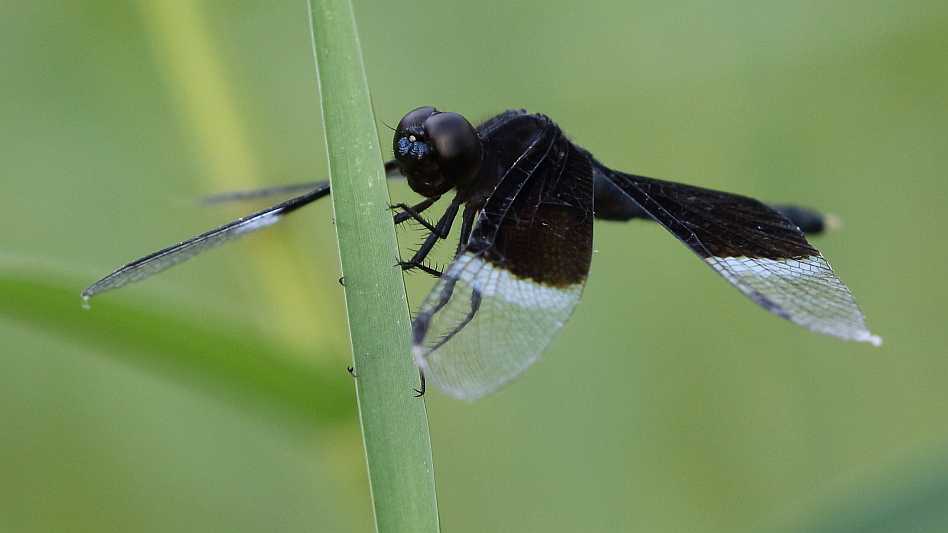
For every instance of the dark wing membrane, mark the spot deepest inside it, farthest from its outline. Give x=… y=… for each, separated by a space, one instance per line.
x=158 y=261
x=756 y=249
x=613 y=204
x=258 y=194
x=518 y=277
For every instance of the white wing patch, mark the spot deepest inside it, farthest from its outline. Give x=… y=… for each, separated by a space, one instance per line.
x=485 y=326
x=786 y=287
x=506 y=286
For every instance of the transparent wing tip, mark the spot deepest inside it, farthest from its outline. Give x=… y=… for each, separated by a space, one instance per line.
x=95 y=289
x=847 y=333
x=86 y=296
x=832 y=222
x=105 y=284
x=855 y=334
x=866 y=336
x=420 y=355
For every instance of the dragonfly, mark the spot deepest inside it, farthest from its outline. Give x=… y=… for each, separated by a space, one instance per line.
x=527 y=197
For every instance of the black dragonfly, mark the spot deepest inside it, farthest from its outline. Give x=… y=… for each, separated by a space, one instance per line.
x=529 y=196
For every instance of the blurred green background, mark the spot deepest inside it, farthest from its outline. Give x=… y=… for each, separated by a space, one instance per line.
x=215 y=397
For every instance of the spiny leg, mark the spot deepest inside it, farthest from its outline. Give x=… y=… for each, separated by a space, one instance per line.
x=420 y=391
x=414 y=212
x=417 y=259
x=423 y=322
x=419 y=325
x=467 y=222
x=442 y=230
x=439 y=231
x=427 y=269
x=475 y=305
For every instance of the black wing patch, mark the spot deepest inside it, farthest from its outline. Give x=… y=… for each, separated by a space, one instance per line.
x=518 y=277
x=166 y=258
x=755 y=248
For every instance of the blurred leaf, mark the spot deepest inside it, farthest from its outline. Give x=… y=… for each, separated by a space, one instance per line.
x=916 y=504
x=212 y=355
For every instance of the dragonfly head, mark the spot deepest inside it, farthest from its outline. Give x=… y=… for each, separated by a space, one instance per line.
x=436 y=151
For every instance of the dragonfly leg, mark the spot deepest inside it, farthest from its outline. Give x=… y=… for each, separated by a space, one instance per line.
x=413 y=212
x=439 y=231
x=420 y=391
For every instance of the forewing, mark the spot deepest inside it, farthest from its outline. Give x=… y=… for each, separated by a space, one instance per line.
x=516 y=281
x=391 y=172
x=263 y=193
x=163 y=259
x=757 y=250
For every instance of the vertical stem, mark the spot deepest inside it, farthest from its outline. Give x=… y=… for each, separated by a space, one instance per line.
x=394 y=423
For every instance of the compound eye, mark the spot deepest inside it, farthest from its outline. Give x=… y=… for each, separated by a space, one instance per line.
x=456 y=144
x=413 y=120
x=416 y=155
x=411 y=146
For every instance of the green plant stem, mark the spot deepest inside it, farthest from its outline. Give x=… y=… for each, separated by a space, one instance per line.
x=394 y=422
